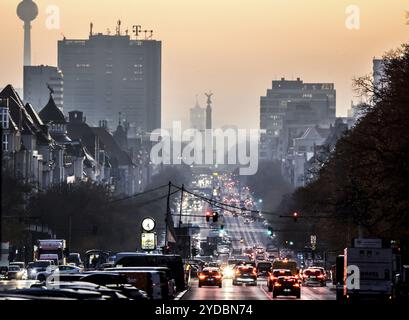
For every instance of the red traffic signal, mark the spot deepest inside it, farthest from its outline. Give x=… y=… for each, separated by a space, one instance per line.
x=295 y=216
x=208 y=214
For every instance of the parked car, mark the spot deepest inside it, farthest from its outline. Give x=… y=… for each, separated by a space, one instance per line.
x=170 y=280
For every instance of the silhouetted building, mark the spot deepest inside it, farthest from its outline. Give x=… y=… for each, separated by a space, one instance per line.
x=285 y=102
x=38 y=80
x=378 y=71
x=107 y=74
x=198 y=117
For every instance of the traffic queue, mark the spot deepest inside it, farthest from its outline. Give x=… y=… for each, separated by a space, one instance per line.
x=124 y=276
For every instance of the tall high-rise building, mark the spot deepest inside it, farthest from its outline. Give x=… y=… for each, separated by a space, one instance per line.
x=39 y=81
x=317 y=102
x=108 y=74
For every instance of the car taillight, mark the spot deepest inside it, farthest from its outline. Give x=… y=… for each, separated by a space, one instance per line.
x=277 y=284
x=238 y=273
x=296 y=285
x=218 y=276
x=202 y=277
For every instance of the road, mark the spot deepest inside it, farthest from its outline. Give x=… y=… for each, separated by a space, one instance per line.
x=259 y=292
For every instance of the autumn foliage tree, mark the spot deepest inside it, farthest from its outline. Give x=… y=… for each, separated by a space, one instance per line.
x=365 y=180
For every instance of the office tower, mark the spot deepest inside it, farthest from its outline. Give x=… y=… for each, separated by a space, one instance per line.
x=292 y=104
x=108 y=74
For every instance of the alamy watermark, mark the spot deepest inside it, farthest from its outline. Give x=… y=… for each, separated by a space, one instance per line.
x=206 y=147
x=353 y=19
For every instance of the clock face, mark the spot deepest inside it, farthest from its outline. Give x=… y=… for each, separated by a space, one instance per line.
x=148 y=224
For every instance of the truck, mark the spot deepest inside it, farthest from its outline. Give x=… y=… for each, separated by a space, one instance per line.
x=51 y=249
x=367 y=271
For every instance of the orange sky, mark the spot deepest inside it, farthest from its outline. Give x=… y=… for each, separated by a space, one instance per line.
x=232 y=47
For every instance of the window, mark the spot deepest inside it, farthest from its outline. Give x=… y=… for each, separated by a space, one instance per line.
x=5 y=142
x=4 y=118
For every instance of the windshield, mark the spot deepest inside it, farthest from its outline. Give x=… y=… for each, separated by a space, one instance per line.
x=264 y=266
x=39 y=264
x=14 y=268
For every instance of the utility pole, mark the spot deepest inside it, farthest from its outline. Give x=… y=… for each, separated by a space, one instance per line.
x=69 y=231
x=167 y=214
x=181 y=206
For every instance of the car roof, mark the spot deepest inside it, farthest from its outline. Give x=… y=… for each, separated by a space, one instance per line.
x=281 y=270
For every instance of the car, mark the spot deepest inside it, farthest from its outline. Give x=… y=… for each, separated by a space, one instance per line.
x=75 y=258
x=16 y=273
x=287 y=286
x=210 y=277
x=56 y=271
x=228 y=271
x=263 y=268
x=246 y=274
x=34 y=268
x=171 y=281
x=274 y=275
x=313 y=276
x=326 y=277
x=22 y=265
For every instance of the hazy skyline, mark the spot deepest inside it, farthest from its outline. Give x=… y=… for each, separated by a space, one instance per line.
x=234 y=48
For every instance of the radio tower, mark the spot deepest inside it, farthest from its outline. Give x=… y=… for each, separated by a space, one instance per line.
x=27 y=11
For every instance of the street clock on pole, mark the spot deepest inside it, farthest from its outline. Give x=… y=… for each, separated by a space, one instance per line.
x=148 y=224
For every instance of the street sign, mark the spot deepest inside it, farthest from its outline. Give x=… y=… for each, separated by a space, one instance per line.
x=148 y=241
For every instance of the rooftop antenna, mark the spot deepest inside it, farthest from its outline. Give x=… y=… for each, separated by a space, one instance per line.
x=151 y=34
x=145 y=33
x=63 y=37
x=91 y=25
x=118 y=28
x=136 y=29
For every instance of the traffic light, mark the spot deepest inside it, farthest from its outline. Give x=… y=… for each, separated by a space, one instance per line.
x=208 y=214
x=270 y=231
x=215 y=216
x=241 y=240
x=295 y=216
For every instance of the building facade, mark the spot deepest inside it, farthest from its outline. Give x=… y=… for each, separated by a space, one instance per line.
x=280 y=109
x=108 y=74
x=197 y=117
x=38 y=81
